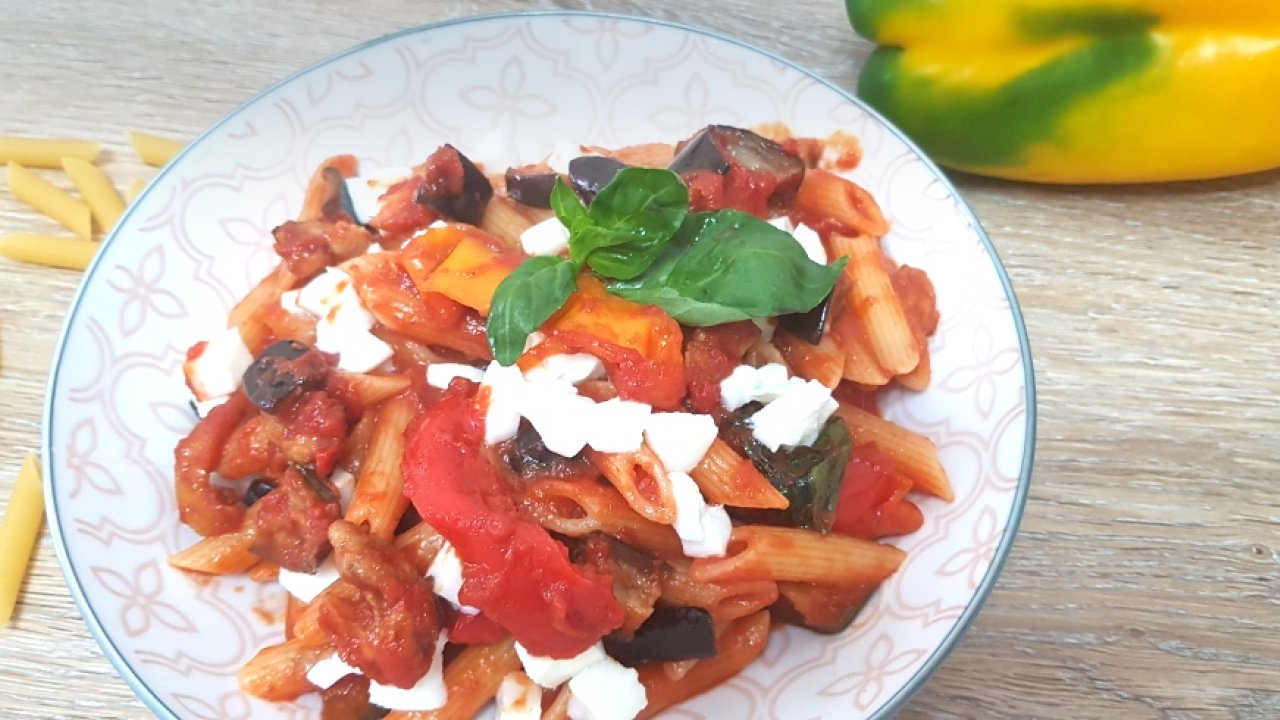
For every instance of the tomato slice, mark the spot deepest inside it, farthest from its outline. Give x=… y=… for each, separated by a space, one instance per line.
x=873 y=500
x=513 y=570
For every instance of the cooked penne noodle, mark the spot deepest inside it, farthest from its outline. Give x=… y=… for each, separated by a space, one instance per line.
x=559 y=707
x=472 y=680
x=18 y=530
x=651 y=155
x=132 y=192
x=913 y=455
x=918 y=379
x=245 y=315
x=823 y=362
x=873 y=298
x=219 y=554
x=827 y=196
x=47 y=199
x=264 y=572
x=579 y=508
x=642 y=480
x=104 y=202
x=761 y=552
x=506 y=219
x=727 y=478
x=860 y=363
x=51 y=250
x=373 y=389
x=43 y=152
x=725 y=601
x=736 y=648
x=279 y=672
x=153 y=149
x=379 y=497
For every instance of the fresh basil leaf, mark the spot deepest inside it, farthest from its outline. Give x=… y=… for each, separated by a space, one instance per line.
x=728 y=266
x=568 y=207
x=524 y=300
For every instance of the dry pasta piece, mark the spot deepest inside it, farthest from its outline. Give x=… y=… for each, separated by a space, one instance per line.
x=873 y=298
x=40 y=194
x=913 y=455
x=227 y=554
x=760 y=552
x=52 y=250
x=727 y=478
x=153 y=149
x=279 y=672
x=823 y=362
x=579 y=508
x=740 y=644
x=472 y=679
x=379 y=493
x=104 y=202
x=825 y=198
x=43 y=152
x=642 y=479
x=18 y=532
x=132 y=192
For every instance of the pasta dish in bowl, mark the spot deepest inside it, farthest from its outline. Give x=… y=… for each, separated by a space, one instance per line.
x=573 y=426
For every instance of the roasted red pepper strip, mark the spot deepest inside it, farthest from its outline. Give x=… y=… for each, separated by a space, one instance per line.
x=513 y=570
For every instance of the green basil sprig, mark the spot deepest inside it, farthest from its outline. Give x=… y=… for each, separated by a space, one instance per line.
x=701 y=268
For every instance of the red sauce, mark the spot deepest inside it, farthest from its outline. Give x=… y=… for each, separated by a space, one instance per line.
x=873 y=500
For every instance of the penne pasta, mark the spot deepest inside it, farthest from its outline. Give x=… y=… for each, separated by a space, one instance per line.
x=506 y=219
x=104 y=202
x=51 y=250
x=577 y=509
x=874 y=300
x=727 y=478
x=154 y=150
x=326 y=186
x=379 y=499
x=245 y=315
x=373 y=389
x=48 y=200
x=913 y=455
x=725 y=602
x=761 y=552
x=472 y=680
x=279 y=672
x=642 y=480
x=823 y=362
x=651 y=155
x=825 y=196
x=18 y=530
x=132 y=192
x=736 y=648
x=43 y=152
x=559 y=707
x=219 y=554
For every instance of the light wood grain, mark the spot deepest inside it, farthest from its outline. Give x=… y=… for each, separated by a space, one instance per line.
x=1146 y=580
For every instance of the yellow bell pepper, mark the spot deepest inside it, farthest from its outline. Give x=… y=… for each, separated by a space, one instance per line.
x=1079 y=91
x=471 y=273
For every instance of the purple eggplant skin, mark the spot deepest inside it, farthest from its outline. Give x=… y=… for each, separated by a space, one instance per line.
x=464 y=205
x=590 y=173
x=274 y=375
x=531 y=185
x=257 y=490
x=810 y=324
x=337 y=204
x=717 y=147
x=670 y=634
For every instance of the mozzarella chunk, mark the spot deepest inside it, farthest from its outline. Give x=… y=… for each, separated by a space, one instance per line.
x=345 y=483
x=217 y=370
x=328 y=671
x=703 y=529
x=429 y=693
x=606 y=691
x=559 y=414
x=289 y=301
x=811 y=242
x=306 y=586
x=502 y=417
x=550 y=672
x=519 y=698
x=679 y=439
x=439 y=375
x=446 y=577
x=549 y=237
x=618 y=425
x=343 y=323
x=204 y=407
x=794 y=418
x=783 y=223
x=572 y=368
x=561 y=154
x=746 y=384
x=366 y=192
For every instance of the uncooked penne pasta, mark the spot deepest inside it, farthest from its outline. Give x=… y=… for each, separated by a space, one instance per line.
x=51 y=250
x=18 y=531
x=104 y=202
x=47 y=199
x=761 y=552
x=44 y=152
x=132 y=192
x=154 y=150
x=913 y=455
x=873 y=298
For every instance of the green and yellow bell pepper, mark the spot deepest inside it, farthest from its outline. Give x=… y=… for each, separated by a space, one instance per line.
x=1079 y=91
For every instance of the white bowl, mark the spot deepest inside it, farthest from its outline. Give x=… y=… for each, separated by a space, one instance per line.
x=200 y=236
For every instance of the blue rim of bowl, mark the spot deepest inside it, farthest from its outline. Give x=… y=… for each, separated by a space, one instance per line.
x=152 y=699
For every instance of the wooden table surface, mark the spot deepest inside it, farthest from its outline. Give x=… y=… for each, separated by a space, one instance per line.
x=1146 y=580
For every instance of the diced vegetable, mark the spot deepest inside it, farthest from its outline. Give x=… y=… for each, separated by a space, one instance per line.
x=281 y=370
x=454 y=187
x=471 y=273
x=590 y=173
x=808 y=325
x=720 y=147
x=670 y=633
x=531 y=185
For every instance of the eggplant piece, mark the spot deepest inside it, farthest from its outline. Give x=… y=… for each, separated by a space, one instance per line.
x=257 y=490
x=531 y=185
x=454 y=187
x=670 y=633
x=810 y=324
x=529 y=459
x=337 y=202
x=808 y=476
x=717 y=147
x=282 y=369
x=590 y=173
x=826 y=609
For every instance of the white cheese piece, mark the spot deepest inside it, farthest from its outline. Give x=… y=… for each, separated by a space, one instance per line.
x=439 y=375
x=551 y=673
x=703 y=529
x=519 y=698
x=794 y=418
x=549 y=237
x=330 y=289
x=358 y=350
x=345 y=482
x=783 y=223
x=429 y=693
x=204 y=407
x=446 y=577
x=534 y=340
x=746 y=384
x=306 y=586
x=572 y=368
x=811 y=242
x=680 y=439
x=502 y=417
x=618 y=425
x=366 y=191
x=217 y=370
x=561 y=417
x=289 y=301
x=606 y=691
x=328 y=671
x=561 y=153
